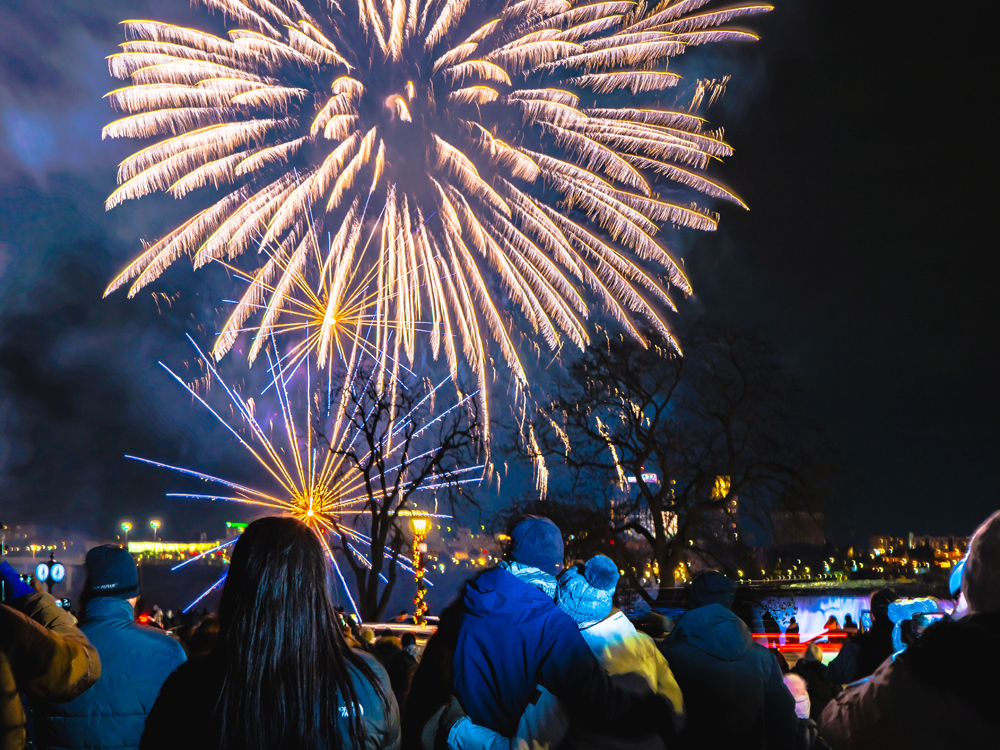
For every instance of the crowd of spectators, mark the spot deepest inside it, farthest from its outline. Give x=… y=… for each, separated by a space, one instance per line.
x=530 y=656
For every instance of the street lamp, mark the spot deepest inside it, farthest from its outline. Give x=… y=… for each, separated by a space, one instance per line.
x=126 y=527
x=155 y=525
x=419 y=534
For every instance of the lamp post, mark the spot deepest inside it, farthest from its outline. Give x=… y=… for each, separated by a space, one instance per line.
x=155 y=525
x=419 y=534
x=126 y=527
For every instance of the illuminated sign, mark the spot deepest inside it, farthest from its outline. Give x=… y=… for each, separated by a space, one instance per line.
x=647 y=478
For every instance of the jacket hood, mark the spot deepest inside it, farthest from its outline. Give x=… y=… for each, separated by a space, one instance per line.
x=107 y=608
x=498 y=592
x=616 y=624
x=716 y=631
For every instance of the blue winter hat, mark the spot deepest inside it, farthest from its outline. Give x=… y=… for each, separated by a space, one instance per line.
x=537 y=542
x=585 y=595
x=111 y=572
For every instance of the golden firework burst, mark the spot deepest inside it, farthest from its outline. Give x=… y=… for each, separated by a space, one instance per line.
x=512 y=186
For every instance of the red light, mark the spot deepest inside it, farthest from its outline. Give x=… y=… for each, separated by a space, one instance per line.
x=144 y=618
x=611 y=541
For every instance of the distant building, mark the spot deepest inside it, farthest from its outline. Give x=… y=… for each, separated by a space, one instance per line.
x=916 y=553
x=888 y=545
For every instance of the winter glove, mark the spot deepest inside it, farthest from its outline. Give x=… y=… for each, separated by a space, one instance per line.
x=434 y=735
x=13 y=583
x=670 y=724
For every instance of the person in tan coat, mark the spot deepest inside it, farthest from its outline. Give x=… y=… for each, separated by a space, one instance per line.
x=42 y=654
x=941 y=691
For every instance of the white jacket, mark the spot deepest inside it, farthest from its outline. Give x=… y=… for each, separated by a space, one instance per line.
x=630 y=657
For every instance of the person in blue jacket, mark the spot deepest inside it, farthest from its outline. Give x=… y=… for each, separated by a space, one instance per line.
x=505 y=636
x=135 y=662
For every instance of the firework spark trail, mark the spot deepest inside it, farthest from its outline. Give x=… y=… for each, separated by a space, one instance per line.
x=513 y=136
x=206 y=592
x=203 y=554
x=322 y=493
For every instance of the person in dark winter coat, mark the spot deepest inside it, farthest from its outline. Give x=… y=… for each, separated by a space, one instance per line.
x=732 y=687
x=386 y=647
x=135 y=661
x=402 y=667
x=821 y=691
x=281 y=675
x=937 y=693
x=504 y=636
x=850 y=627
x=861 y=655
x=792 y=632
x=771 y=628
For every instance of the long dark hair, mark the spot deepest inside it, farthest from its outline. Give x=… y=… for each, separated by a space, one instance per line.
x=287 y=668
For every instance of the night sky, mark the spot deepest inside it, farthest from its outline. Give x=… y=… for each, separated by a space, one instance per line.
x=862 y=148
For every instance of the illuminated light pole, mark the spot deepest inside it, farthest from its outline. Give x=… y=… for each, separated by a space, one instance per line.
x=155 y=525
x=419 y=534
x=126 y=527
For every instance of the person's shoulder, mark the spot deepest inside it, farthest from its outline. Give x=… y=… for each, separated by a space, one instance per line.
x=370 y=695
x=762 y=655
x=156 y=640
x=197 y=670
x=369 y=659
x=555 y=618
x=372 y=662
x=943 y=649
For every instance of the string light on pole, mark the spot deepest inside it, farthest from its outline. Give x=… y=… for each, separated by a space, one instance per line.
x=419 y=547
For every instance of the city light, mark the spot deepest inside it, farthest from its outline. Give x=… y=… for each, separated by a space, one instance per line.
x=419 y=549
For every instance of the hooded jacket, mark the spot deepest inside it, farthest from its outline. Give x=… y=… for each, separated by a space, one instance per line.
x=136 y=660
x=501 y=639
x=936 y=694
x=732 y=687
x=514 y=637
x=42 y=654
x=634 y=663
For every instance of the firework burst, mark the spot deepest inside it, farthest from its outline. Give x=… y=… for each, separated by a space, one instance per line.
x=316 y=479
x=473 y=159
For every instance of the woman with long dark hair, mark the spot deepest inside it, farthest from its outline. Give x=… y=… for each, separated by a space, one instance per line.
x=281 y=676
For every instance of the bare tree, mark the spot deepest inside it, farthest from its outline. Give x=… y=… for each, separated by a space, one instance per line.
x=683 y=453
x=404 y=447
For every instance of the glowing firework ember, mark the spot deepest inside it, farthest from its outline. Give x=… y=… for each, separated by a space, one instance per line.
x=473 y=159
x=318 y=480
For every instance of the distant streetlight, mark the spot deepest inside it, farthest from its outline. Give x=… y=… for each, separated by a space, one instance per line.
x=419 y=534
x=126 y=527
x=155 y=525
